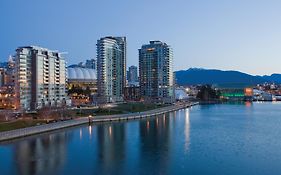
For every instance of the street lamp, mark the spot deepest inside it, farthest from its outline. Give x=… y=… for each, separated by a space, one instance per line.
x=90 y=116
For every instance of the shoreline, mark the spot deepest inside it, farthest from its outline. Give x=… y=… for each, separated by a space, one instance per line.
x=24 y=132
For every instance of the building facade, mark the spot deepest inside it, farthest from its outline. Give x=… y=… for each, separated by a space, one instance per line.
x=156 y=72
x=132 y=75
x=10 y=73
x=111 y=69
x=132 y=93
x=91 y=64
x=2 y=77
x=40 y=78
x=7 y=84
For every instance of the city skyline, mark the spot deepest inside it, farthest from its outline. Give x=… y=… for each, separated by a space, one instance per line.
x=238 y=35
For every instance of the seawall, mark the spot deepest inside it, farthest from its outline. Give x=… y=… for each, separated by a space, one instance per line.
x=23 y=132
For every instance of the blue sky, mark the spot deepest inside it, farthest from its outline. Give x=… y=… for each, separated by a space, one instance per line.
x=240 y=35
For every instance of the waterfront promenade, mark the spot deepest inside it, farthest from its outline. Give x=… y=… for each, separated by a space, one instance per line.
x=23 y=132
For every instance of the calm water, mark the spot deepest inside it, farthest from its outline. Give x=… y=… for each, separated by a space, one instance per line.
x=211 y=139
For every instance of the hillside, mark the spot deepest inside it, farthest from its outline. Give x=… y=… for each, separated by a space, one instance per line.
x=194 y=76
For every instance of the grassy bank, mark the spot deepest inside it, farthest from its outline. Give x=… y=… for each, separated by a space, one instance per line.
x=19 y=124
x=119 y=109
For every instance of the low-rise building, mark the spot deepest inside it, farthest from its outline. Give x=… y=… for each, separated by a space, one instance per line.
x=132 y=93
x=235 y=92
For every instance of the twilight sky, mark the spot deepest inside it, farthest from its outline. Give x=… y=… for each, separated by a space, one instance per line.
x=242 y=35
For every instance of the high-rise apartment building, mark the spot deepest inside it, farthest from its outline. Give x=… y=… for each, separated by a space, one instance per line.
x=40 y=78
x=156 y=72
x=132 y=74
x=111 y=69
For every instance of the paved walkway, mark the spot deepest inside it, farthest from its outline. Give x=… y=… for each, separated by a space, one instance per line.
x=7 y=135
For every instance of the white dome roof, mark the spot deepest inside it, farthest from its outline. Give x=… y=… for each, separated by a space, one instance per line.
x=180 y=94
x=81 y=74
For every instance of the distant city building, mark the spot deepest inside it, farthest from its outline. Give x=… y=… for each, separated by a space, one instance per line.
x=2 y=76
x=7 y=98
x=132 y=74
x=91 y=64
x=40 y=78
x=235 y=91
x=111 y=69
x=156 y=72
x=180 y=93
x=7 y=72
x=7 y=84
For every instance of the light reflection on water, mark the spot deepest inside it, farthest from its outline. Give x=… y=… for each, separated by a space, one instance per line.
x=186 y=130
x=209 y=139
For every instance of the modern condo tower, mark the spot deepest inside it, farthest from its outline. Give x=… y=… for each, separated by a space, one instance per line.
x=133 y=74
x=111 y=69
x=156 y=72
x=40 y=78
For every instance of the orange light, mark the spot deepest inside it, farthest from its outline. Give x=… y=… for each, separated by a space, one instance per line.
x=248 y=91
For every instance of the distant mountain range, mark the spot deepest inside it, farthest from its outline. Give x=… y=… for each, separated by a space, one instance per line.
x=195 y=76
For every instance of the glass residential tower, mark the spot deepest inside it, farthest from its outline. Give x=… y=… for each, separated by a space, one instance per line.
x=111 y=69
x=156 y=72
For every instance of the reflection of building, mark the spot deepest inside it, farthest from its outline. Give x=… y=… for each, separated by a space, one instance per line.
x=111 y=68
x=155 y=137
x=41 y=155
x=156 y=72
x=41 y=78
x=82 y=85
x=111 y=144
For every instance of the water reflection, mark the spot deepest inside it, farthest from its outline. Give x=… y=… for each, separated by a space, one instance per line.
x=106 y=148
x=153 y=140
x=187 y=131
x=80 y=134
x=203 y=140
x=41 y=155
x=248 y=104
x=90 y=131
x=111 y=146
